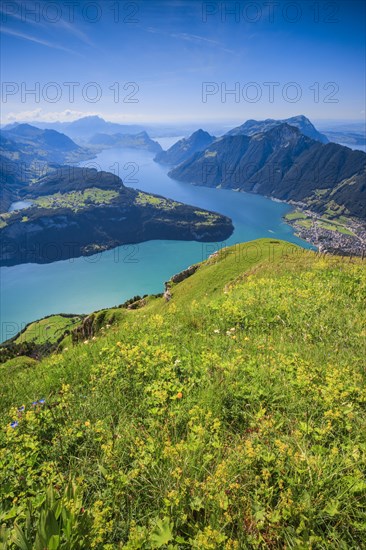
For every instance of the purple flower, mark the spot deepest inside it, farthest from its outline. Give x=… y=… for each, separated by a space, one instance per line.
x=21 y=409
x=14 y=424
x=40 y=402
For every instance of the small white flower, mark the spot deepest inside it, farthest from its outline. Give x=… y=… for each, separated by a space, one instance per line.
x=216 y=331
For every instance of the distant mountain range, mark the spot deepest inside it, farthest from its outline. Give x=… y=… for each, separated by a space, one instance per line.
x=284 y=163
x=26 y=152
x=351 y=139
x=28 y=143
x=85 y=127
x=136 y=141
x=185 y=148
x=251 y=127
x=286 y=159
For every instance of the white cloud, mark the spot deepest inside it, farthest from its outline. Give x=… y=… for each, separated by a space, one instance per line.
x=36 y=40
x=67 y=115
x=61 y=24
x=71 y=28
x=192 y=38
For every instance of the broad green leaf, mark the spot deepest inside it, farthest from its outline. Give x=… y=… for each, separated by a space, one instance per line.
x=54 y=543
x=332 y=508
x=162 y=534
x=19 y=538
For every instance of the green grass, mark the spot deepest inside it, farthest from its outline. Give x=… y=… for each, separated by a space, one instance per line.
x=146 y=199
x=332 y=225
x=306 y=223
x=3 y=219
x=231 y=417
x=321 y=192
x=17 y=363
x=209 y=217
x=335 y=210
x=303 y=220
x=344 y=230
x=47 y=330
x=77 y=200
x=343 y=219
x=295 y=216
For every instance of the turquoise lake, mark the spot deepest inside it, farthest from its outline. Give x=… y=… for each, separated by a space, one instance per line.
x=82 y=285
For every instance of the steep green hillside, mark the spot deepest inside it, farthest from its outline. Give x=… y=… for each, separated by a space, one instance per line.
x=48 y=330
x=231 y=416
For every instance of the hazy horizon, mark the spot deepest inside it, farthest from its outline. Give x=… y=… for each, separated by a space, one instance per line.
x=182 y=61
x=228 y=122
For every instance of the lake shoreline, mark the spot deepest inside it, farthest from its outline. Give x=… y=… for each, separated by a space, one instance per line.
x=322 y=239
x=89 y=283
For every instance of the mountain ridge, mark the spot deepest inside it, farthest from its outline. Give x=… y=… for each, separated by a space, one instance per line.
x=141 y=140
x=85 y=127
x=184 y=148
x=35 y=144
x=282 y=163
x=251 y=127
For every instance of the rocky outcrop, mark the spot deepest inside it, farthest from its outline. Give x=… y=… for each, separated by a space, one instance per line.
x=167 y=294
x=178 y=278
x=84 y=331
x=138 y=304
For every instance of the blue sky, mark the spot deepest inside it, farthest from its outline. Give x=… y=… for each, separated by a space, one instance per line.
x=176 y=60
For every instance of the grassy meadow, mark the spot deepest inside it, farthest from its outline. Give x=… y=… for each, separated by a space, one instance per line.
x=231 y=417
